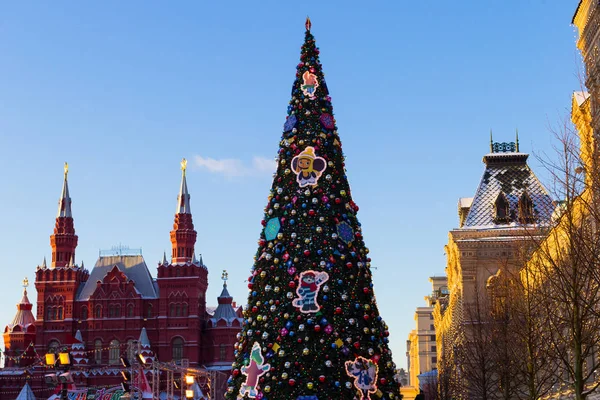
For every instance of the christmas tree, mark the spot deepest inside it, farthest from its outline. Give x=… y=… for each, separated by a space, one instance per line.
x=312 y=330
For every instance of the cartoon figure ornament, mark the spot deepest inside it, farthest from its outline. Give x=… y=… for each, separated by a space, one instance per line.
x=308 y=289
x=253 y=372
x=364 y=372
x=310 y=85
x=308 y=167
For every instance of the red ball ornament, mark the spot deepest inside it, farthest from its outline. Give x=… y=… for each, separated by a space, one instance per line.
x=338 y=310
x=349 y=264
x=356 y=345
x=236 y=372
x=317 y=328
x=383 y=381
x=321 y=378
x=250 y=285
x=306 y=253
x=311 y=212
x=366 y=317
x=292 y=382
x=254 y=309
x=292 y=284
x=365 y=290
x=338 y=200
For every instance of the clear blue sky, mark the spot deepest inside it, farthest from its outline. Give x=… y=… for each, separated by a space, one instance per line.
x=124 y=90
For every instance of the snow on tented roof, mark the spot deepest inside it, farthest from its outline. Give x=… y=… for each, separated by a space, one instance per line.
x=465 y=202
x=507 y=173
x=133 y=266
x=580 y=97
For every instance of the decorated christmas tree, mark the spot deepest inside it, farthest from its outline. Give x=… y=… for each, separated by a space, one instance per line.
x=313 y=330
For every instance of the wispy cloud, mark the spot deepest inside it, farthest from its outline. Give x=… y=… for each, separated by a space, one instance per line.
x=232 y=167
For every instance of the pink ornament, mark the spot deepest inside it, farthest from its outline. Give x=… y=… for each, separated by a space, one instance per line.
x=291 y=270
x=283 y=332
x=328 y=329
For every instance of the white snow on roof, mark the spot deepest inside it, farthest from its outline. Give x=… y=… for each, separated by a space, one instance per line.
x=465 y=202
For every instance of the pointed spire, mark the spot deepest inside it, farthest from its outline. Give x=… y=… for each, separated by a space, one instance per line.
x=164 y=260
x=26 y=393
x=63 y=240
x=491 y=142
x=183 y=235
x=144 y=341
x=25 y=300
x=78 y=336
x=307 y=24
x=44 y=265
x=71 y=261
x=183 y=200
x=64 y=204
x=82 y=264
x=194 y=260
x=517 y=140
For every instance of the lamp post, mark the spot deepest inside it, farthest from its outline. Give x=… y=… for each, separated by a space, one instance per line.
x=64 y=378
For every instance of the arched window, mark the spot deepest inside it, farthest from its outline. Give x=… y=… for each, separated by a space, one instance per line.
x=98 y=313
x=114 y=352
x=172 y=309
x=149 y=313
x=130 y=310
x=184 y=311
x=118 y=311
x=131 y=349
x=502 y=209
x=177 y=310
x=98 y=351
x=49 y=313
x=84 y=313
x=526 y=209
x=177 y=346
x=59 y=313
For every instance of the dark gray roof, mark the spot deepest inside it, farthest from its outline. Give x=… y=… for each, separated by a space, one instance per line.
x=509 y=173
x=225 y=310
x=133 y=266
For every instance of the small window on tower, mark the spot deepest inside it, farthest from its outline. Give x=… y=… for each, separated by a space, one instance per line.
x=502 y=209
x=98 y=313
x=84 y=313
x=149 y=312
x=526 y=209
x=98 y=351
x=223 y=352
x=130 y=310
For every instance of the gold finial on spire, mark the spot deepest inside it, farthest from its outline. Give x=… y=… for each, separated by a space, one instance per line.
x=25 y=282
x=183 y=165
x=66 y=168
x=224 y=276
x=307 y=24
